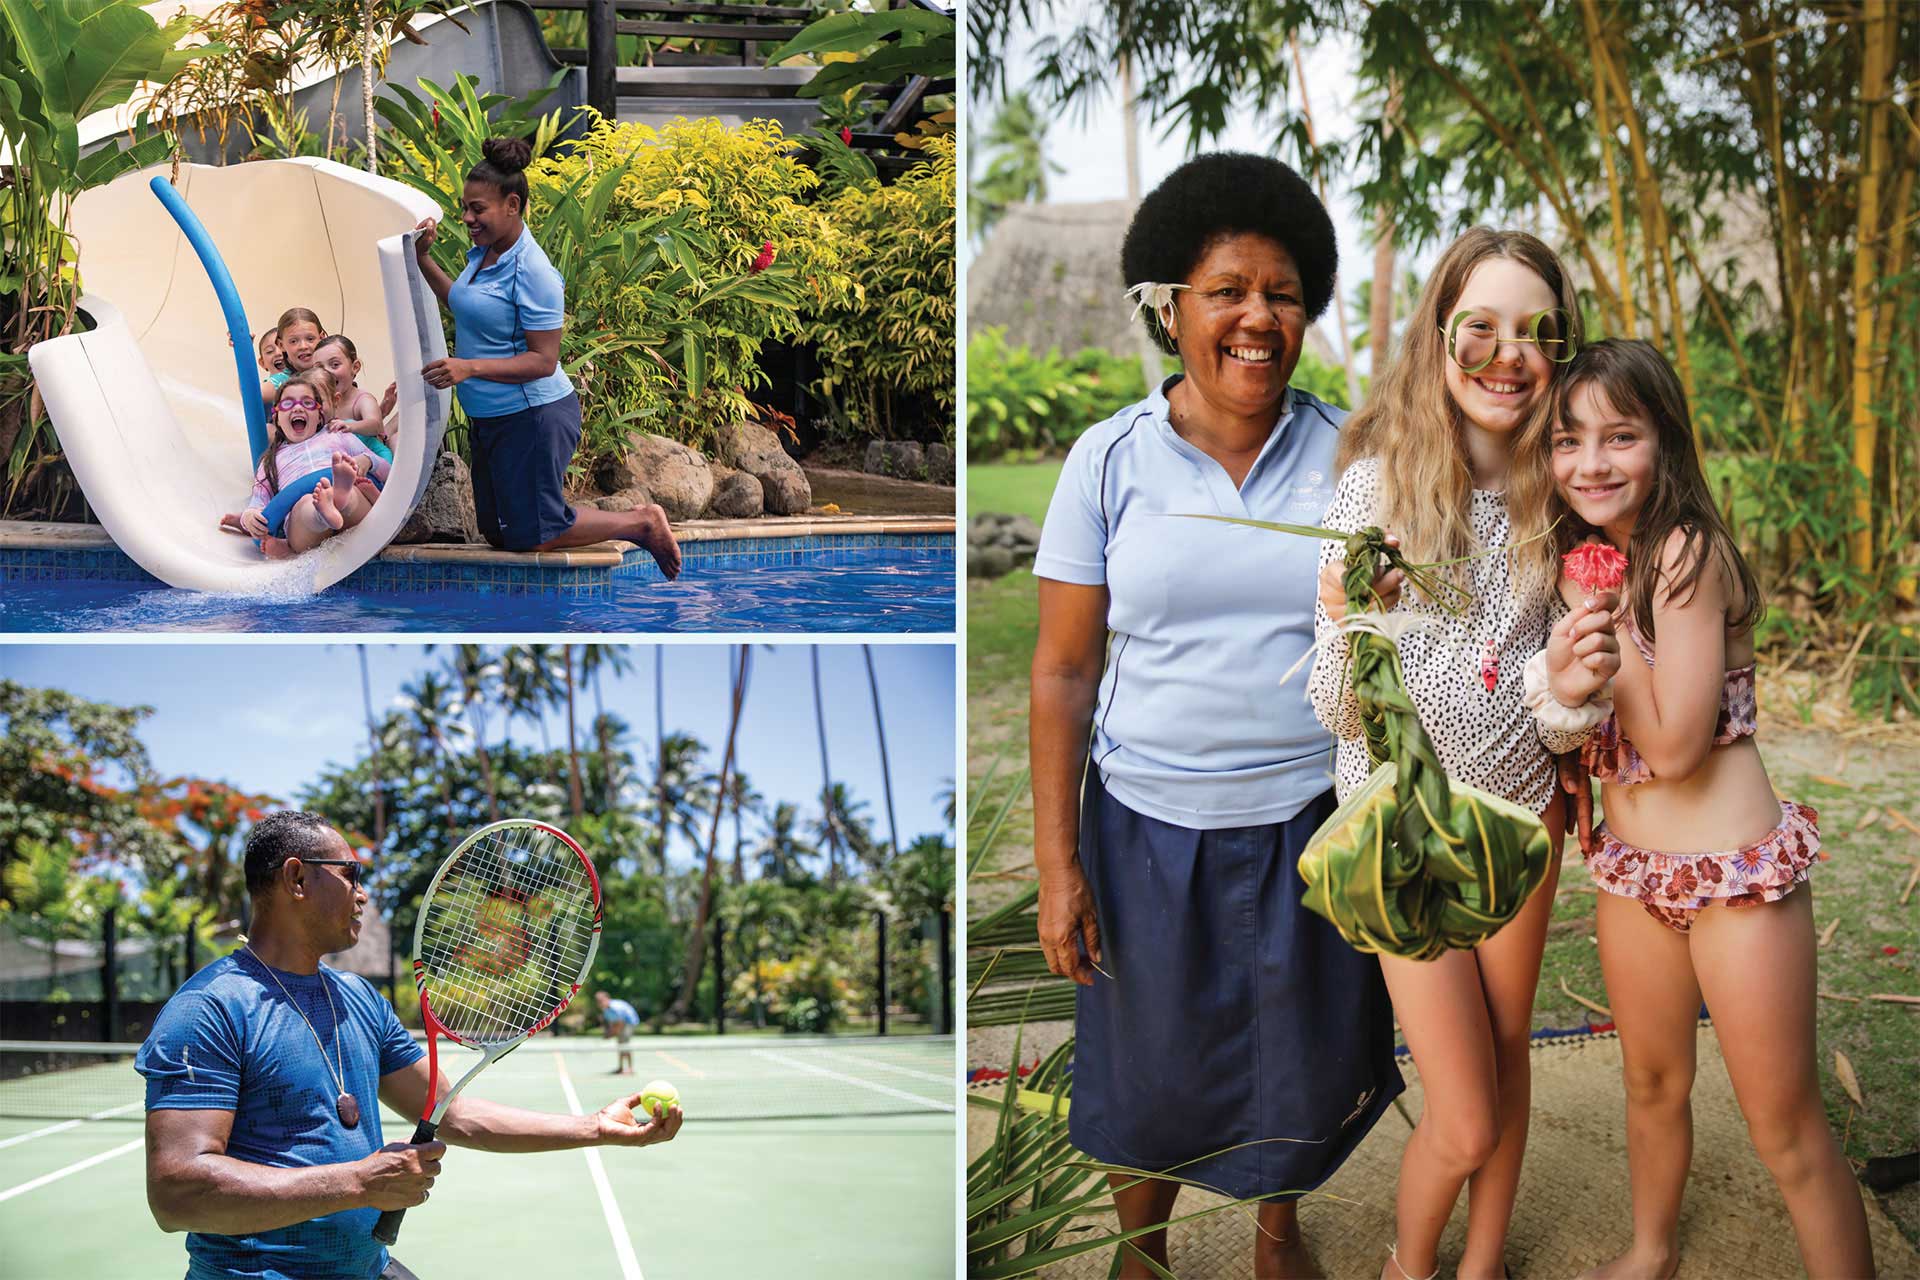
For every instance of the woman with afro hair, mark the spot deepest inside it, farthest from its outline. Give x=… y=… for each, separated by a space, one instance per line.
x=1226 y=1036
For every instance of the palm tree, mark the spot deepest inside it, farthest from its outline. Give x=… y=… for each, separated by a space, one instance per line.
x=476 y=674
x=763 y=913
x=742 y=799
x=1015 y=147
x=609 y=731
x=828 y=827
x=842 y=825
x=886 y=773
x=594 y=659
x=528 y=683
x=782 y=851
x=697 y=936
x=575 y=796
x=373 y=743
x=685 y=792
x=430 y=706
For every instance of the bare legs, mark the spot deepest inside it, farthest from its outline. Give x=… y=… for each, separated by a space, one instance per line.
x=1755 y=966
x=1279 y=1250
x=1467 y=1018
x=645 y=525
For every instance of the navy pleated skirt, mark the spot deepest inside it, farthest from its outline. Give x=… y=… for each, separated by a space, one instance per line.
x=1233 y=1017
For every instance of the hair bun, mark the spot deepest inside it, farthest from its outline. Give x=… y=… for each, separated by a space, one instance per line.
x=510 y=155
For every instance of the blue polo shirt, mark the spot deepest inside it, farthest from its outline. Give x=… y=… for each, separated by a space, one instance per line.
x=493 y=310
x=618 y=1011
x=229 y=1040
x=1193 y=726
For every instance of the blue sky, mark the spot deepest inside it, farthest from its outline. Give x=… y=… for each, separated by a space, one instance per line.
x=269 y=716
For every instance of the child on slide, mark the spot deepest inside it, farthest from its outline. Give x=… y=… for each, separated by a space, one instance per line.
x=296 y=336
x=1700 y=864
x=355 y=411
x=271 y=359
x=301 y=452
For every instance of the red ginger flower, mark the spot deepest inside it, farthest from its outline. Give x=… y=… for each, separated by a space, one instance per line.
x=1595 y=566
x=765 y=259
x=846 y=135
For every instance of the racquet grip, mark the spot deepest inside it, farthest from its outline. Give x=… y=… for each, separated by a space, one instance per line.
x=387 y=1230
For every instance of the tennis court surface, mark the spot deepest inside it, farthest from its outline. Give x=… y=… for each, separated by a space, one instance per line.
x=799 y=1158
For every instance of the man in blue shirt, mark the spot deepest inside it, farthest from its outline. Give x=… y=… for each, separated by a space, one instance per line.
x=617 y=1021
x=264 y=1077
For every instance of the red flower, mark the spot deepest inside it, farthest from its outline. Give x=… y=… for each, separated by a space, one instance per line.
x=765 y=259
x=1889 y=950
x=436 y=116
x=1595 y=566
x=846 y=135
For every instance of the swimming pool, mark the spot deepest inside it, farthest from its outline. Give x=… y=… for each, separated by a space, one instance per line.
x=889 y=583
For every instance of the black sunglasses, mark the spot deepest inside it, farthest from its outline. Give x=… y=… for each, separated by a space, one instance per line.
x=351 y=864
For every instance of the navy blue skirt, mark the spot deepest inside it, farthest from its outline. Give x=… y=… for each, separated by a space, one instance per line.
x=1233 y=1015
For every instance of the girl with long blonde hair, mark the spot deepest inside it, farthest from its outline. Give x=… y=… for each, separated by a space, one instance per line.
x=1428 y=460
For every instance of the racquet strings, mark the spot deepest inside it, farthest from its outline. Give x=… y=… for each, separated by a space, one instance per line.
x=506 y=935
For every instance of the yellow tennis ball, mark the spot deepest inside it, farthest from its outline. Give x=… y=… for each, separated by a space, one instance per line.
x=659 y=1093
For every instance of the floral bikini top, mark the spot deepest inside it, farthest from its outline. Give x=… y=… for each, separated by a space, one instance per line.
x=1610 y=757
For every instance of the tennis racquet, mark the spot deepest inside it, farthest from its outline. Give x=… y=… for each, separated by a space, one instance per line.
x=506 y=934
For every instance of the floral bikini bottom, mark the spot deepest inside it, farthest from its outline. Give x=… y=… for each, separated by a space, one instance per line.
x=1676 y=887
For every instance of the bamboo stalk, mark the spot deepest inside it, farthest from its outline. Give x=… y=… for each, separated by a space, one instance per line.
x=1873 y=92
x=1339 y=303
x=1604 y=126
x=1646 y=189
x=1380 y=308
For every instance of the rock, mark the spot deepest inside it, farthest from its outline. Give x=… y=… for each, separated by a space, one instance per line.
x=940 y=467
x=667 y=471
x=737 y=496
x=989 y=562
x=755 y=449
x=997 y=543
x=876 y=458
x=445 y=513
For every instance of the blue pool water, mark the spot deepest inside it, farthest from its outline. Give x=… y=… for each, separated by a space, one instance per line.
x=900 y=585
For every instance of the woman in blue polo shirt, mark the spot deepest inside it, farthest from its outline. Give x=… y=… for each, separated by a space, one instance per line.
x=508 y=309
x=1175 y=779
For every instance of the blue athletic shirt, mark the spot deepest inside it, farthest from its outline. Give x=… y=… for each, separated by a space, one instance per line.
x=493 y=310
x=1193 y=726
x=229 y=1041
x=621 y=1011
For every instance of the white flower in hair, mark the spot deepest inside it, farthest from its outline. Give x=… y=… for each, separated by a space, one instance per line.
x=1157 y=296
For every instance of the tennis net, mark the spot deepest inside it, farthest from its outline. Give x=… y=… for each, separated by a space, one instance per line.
x=729 y=1078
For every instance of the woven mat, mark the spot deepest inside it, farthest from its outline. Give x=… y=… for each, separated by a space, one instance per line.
x=1573 y=1206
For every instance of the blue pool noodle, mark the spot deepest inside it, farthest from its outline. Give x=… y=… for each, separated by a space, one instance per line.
x=236 y=315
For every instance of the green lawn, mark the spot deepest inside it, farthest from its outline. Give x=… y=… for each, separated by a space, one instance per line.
x=1855 y=777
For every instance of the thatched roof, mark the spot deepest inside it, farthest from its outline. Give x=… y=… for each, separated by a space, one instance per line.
x=368 y=956
x=1049 y=274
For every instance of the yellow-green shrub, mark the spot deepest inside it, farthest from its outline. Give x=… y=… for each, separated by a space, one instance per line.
x=887 y=347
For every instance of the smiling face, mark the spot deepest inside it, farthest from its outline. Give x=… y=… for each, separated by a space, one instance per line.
x=299 y=412
x=272 y=360
x=297 y=341
x=1241 y=323
x=334 y=359
x=333 y=904
x=490 y=217
x=1505 y=294
x=1604 y=461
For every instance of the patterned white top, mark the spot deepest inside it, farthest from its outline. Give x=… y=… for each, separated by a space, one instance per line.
x=1486 y=739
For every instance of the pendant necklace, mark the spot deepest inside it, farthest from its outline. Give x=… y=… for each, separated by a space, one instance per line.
x=345 y=1104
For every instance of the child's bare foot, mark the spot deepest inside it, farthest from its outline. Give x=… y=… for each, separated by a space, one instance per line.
x=276 y=548
x=324 y=504
x=230 y=522
x=1638 y=1263
x=652 y=531
x=344 y=472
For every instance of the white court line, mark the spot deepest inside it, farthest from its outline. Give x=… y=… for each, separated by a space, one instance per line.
x=616 y=1225
x=67 y=1124
x=58 y=1174
x=889 y=1090
x=878 y=1065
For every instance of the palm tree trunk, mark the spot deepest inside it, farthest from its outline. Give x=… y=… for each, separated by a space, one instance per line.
x=366 y=84
x=1339 y=303
x=575 y=794
x=660 y=744
x=886 y=771
x=697 y=936
x=1380 y=312
x=1150 y=366
x=1866 y=261
x=826 y=774
x=606 y=745
x=373 y=758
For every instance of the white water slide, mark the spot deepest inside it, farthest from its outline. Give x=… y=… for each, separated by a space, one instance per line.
x=147 y=403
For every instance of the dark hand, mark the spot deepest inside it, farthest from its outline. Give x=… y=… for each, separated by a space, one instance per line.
x=1579 y=792
x=428 y=229
x=400 y=1174
x=447 y=371
x=619 y=1126
x=1067 y=918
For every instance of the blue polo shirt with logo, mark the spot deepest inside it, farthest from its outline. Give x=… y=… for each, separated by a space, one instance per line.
x=1193 y=726
x=493 y=311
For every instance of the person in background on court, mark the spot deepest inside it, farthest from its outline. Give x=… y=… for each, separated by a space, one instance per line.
x=618 y=1019
x=266 y=1071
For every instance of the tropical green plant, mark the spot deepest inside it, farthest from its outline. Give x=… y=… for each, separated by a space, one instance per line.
x=888 y=350
x=889 y=45
x=1017 y=167
x=1018 y=401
